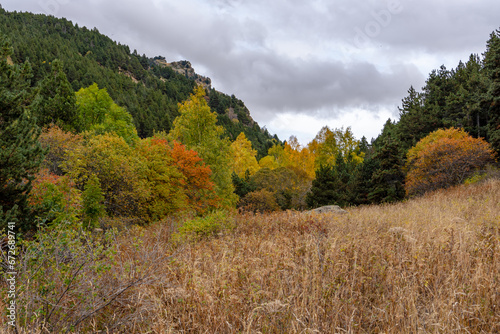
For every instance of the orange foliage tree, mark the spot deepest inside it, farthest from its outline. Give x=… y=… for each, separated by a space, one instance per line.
x=445 y=158
x=291 y=154
x=177 y=179
x=197 y=186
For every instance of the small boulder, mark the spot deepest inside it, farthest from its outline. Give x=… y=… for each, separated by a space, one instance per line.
x=328 y=209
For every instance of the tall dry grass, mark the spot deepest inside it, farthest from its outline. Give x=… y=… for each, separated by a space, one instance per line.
x=428 y=265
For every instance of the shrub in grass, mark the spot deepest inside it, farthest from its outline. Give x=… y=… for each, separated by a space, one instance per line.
x=206 y=226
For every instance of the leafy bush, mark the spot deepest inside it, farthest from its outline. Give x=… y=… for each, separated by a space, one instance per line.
x=59 y=276
x=445 y=158
x=203 y=227
x=259 y=201
x=491 y=172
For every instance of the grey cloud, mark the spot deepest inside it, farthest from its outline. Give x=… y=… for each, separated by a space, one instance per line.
x=233 y=41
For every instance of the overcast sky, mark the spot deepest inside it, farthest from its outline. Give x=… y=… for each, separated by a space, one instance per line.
x=297 y=65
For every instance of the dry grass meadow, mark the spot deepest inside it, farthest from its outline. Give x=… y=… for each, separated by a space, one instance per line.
x=427 y=265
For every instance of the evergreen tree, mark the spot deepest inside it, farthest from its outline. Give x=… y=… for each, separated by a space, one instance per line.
x=56 y=102
x=323 y=190
x=465 y=106
x=492 y=68
x=334 y=184
x=242 y=185
x=388 y=179
x=416 y=119
x=20 y=152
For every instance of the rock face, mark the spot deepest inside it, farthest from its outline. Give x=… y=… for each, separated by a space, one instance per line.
x=328 y=209
x=184 y=67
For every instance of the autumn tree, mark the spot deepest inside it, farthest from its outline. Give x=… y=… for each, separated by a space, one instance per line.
x=196 y=127
x=118 y=169
x=244 y=156
x=20 y=152
x=259 y=201
x=197 y=185
x=445 y=158
x=162 y=178
x=54 y=198
x=329 y=143
x=288 y=184
x=58 y=142
x=290 y=154
x=299 y=157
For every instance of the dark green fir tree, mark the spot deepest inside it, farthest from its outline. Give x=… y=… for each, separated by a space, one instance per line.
x=20 y=152
x=492 y=68
x=55 y=101
x=388 y=179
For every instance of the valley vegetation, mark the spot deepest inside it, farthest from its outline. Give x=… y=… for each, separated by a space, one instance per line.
x=146 y=202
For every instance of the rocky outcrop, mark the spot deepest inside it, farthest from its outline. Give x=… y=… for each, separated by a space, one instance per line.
x=328 y=209
x=184 y=67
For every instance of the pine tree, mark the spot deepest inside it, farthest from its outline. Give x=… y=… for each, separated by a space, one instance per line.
x=20 y=152
x=56 y=102
x=492 y=68
x=323 y=190
x=334 y=184
x=388 y=179
x=416 y=119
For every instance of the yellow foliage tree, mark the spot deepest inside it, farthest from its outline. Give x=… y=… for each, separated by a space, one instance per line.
x=119 y=170
x=291 y=154
x=329 y=143
x=244 y=156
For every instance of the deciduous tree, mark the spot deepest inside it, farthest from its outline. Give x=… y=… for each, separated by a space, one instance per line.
x=244 y=156
x=445 y=158
x=196 y=127
x=119 y=170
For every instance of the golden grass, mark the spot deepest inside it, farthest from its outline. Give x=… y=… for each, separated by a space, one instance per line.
x=428 y=265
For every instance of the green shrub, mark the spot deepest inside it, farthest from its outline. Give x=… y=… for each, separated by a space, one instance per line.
x=203 y=227
x=490 y=172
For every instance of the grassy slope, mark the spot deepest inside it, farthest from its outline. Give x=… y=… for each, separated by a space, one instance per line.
x=429 y=265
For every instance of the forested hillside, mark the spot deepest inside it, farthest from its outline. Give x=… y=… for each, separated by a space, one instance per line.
x=148 y=90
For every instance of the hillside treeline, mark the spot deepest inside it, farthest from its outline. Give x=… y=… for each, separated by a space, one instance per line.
x=149 y=91
x=76 y=145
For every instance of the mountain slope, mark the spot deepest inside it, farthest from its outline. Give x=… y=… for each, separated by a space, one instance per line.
x=149 y=89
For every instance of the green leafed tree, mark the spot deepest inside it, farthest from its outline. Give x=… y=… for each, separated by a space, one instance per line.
x=93 y=202
x=323 y=190
x=99 y=114
x=196 y=127
x=20 y=152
